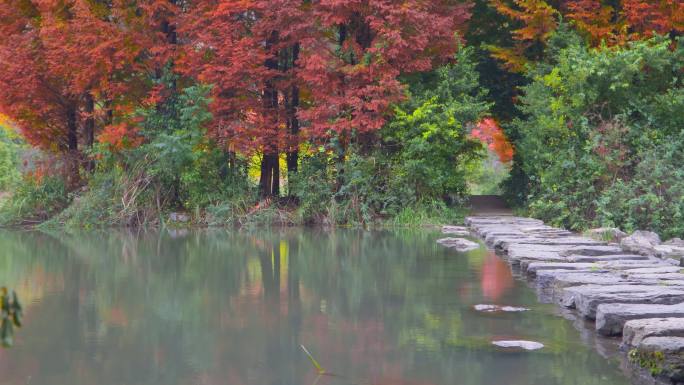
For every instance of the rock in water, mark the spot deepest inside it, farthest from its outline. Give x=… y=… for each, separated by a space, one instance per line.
x=519 y=344
x=498 y=308
x=460 y=244
x=179 y=217
x=637 y=330
x=641 y=242
x=612 y=317
x=662 y=356
x=457 y=230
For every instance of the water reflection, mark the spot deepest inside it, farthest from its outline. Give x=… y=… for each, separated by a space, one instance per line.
x=222 y=307
x=496 y=278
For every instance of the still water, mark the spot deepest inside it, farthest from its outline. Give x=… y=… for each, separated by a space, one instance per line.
x=233 y=307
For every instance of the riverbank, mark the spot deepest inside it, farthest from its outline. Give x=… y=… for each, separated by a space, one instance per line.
x=638 y=297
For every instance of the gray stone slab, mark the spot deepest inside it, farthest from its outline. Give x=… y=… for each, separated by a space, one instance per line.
x=654 y=270
x=558 y=279
x=562 y=241
x=525 y=262
x=604 y=258
x=658 y=276
x=533 y=267
x=611 y=317
x=455 y=230
x=459 y=244
x=519 y=344
x=586 y=298
x=595 y=250
x=664 y=356
x=637 y=330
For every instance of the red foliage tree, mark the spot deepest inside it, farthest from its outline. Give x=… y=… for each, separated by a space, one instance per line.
x=332 y=64
x=490 y=133
x=71 y=66
x=613 y=22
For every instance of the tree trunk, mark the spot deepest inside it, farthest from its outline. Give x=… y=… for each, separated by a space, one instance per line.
x=293 y=121
x=266 y=177
x=275 y=173
x=269 y=181
x=89 y=129
x=73 y=177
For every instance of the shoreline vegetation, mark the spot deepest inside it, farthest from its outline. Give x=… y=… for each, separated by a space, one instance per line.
x=341 y=114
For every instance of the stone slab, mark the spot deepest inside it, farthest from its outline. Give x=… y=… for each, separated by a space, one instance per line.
x=637 y=330
x=611 y=317
x=586 y=298
x=664 y=356
x=604 y=258
x=654 y=270
x=595 y=250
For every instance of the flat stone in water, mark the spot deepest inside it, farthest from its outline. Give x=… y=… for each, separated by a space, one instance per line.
x=497 y=308
x=519 y=344
x=665 y=353
x=636 y=330
x=593 y=251
x=460 y=244
x=457 y=230
x=587 y=298
x=659 y=276
x=532 y=268
x=654 y=270
x=558 y=279
x=604 y=258
x=612 y=317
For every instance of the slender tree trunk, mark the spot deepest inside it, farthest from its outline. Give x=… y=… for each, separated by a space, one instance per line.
x=269 y=181
x=266 y=177
x=275 y=173
x=292 y=121
x=73 y=177
x=89 y=129
x=340 y=156
x=270 y=176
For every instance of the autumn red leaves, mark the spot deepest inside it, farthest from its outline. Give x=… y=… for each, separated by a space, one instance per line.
x=282 y=71
x=601 y=21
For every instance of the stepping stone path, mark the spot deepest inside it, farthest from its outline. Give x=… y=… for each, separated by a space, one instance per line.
x=626 y=290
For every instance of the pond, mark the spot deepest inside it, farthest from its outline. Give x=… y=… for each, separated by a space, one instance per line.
x=231 y=307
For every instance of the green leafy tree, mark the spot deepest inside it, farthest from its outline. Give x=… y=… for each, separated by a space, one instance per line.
x=592 y=118
x=432 y=130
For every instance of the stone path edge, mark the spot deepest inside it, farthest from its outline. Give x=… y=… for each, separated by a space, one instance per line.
x=614 y=289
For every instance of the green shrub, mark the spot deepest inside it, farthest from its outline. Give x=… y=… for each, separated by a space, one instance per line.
x=176 y=168
x=653 y=198
x=34 y=201
x=9 y=160
x=597 y=124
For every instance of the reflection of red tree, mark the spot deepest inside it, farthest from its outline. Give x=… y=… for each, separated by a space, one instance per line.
x=496 y=277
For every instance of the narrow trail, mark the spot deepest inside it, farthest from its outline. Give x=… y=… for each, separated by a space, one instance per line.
x=486 y=205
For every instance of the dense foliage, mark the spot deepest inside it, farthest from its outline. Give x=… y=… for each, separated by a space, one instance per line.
x=9 y=158
x=602 y=133
x=342 y=112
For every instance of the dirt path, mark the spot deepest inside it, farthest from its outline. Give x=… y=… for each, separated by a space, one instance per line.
x=489 y=205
